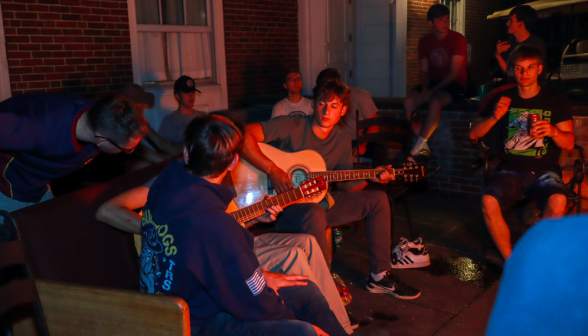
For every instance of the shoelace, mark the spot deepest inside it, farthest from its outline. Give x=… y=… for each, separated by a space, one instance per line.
x=401 y=248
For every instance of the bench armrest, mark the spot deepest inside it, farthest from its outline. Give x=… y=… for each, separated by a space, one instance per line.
x=81 y=310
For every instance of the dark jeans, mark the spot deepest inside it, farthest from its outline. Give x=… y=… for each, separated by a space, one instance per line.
x=349 y=206
x=307 y=303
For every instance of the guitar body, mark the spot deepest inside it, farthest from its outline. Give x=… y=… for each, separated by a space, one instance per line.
x=252 y=184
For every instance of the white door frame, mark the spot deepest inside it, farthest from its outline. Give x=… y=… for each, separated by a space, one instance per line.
x=312 y=39
x=219 y=51
x=5 y=91
x=398 y=32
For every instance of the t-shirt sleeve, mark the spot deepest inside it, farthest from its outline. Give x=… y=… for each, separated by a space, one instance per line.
x=166 y=129
x=275 y=129
x=17 y=132
x=366 y=105
x=149 y=183
x=460 y=46
x=275 y=111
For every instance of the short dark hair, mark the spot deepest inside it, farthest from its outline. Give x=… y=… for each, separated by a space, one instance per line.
x=212 y=141
x=326 y=75
x=332 y=88
x=437 y=11
x=525 y=52
x=289 y=72
x=526 y=14
x=117 y=120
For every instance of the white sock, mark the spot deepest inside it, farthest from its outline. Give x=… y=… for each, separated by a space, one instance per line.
x=378 y=276
x=421 y=142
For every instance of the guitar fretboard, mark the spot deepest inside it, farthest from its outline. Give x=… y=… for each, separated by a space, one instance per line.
x=349 y=175
x=258 y=209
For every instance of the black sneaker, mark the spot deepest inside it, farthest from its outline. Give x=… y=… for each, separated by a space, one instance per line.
x=390 y=284
x=353 y=321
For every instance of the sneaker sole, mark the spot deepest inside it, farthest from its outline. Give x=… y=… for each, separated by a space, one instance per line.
x=381 y=290
x=415 y=265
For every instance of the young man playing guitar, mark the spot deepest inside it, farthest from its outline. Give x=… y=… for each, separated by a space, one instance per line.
x=321 y=132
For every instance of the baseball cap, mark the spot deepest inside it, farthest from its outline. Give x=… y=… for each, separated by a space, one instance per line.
x=137 y=94
x=185 y=84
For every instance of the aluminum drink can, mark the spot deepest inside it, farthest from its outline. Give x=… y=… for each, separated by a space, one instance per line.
x=533 y=117
x=338 y=237
x=482 y=91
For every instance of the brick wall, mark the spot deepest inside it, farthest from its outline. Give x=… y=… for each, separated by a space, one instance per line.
x=417 y=27
x=479 y=32
x=454 y=153
x=482 y=34
x=72 y=46
x=261 y=40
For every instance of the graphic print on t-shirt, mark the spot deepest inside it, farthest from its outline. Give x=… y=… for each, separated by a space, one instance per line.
x=519 y=142
x=157 y=250
x=439 y=56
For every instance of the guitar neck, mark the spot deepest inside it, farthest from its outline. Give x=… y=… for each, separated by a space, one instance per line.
x=258 y=209
x=349 y=175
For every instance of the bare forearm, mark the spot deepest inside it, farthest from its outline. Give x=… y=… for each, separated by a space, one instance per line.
x=564 y=140
x=482 y=127
x=120 y=218
x=501 y=63
x=252 y=154
x=163 y=144
x=150 y=155
x=424 y=79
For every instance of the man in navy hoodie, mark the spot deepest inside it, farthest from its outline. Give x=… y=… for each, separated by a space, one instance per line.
x=47 y=136
x=194 y=250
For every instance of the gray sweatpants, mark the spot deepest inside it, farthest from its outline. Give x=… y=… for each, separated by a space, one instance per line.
x=349 y=206
x=299 y=254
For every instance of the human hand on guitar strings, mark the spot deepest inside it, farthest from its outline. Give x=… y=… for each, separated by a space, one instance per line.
x=272 y=212
x=384 y=177
x=280 y=180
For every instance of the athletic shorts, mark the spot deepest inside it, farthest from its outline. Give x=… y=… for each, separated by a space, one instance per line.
x=455 y=89
x=509 y=187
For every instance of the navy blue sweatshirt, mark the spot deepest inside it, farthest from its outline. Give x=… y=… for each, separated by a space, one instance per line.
x=194 y=250
x=38 y=142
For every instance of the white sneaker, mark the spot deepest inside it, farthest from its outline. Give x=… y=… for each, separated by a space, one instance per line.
x=410 y=254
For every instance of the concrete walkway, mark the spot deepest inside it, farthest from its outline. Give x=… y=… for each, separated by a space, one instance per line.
x=457 y=292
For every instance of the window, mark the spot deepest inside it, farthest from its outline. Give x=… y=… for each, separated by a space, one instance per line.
x=456 y=14
x=175 y=38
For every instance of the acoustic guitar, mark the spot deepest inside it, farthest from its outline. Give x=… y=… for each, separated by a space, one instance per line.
x=307 y=189
x=251 y=184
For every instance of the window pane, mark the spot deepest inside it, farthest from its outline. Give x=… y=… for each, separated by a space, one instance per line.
x=147 y=11
x=152 y=57
x=196 y=12
x=190 y=54
x=187 y=54
x=172 y=12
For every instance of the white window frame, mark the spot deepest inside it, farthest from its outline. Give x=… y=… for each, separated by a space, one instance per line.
x=5 y=91
x=215 y=26
x=460 y=17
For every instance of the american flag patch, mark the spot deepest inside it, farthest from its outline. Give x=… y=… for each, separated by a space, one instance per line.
x=256 y=282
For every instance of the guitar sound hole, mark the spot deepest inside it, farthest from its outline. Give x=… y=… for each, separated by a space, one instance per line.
x=298 y=176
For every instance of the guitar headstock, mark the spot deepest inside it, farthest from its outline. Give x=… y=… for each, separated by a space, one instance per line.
x=413 y=172
x=313 y=186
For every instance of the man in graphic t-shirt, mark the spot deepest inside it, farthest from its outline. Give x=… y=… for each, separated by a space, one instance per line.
x=520 y=22
x=529 y=158
x=294 y=104
x=442 y=73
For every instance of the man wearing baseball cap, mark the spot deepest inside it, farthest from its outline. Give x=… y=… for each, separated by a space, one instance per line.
x=173 y=125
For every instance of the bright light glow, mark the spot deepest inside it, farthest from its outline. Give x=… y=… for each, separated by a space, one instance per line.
x=249 y=199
